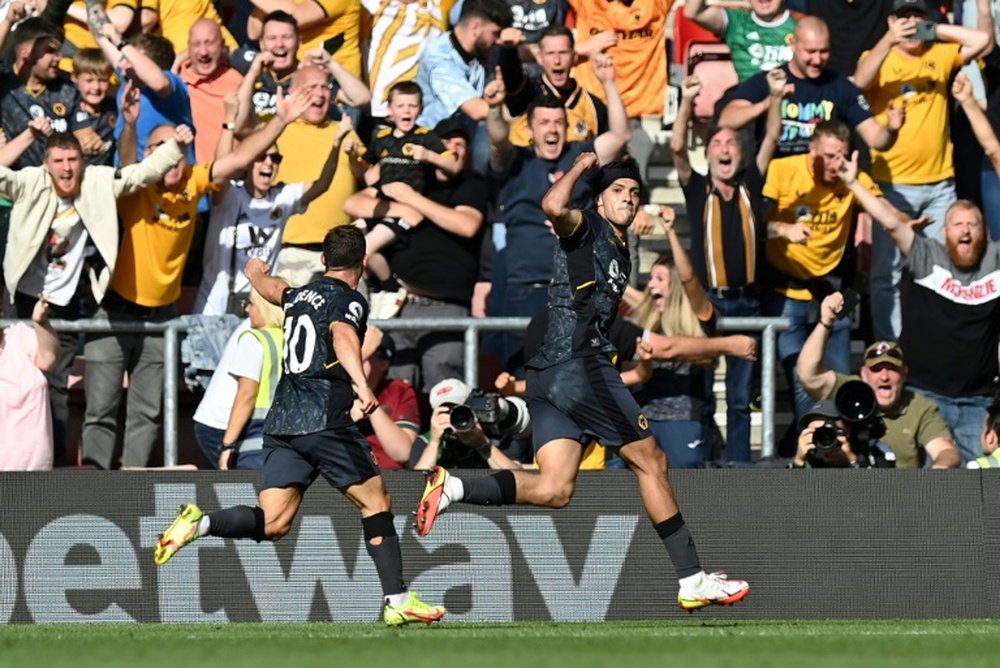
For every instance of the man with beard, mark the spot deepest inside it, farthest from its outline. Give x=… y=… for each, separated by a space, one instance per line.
x=915 y=430
x=526 y=173
x=575 y=394
x=451 y=72
x=817 y=95
x=810 y=216
x=728 y=229
x=951 y=310
x=917 y=174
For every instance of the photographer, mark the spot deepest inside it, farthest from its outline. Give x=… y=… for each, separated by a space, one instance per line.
x=459 y=439
x=828 y=440
x=915 y=429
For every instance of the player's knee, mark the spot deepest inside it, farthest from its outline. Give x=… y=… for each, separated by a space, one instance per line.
x=557 y=496
x=646 y=458
x=276 y=528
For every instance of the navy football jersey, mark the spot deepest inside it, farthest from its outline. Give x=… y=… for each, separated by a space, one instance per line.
x=395 y=160
x=58 y=100
x=591 y=270
x=103 y=123
x=315 y=392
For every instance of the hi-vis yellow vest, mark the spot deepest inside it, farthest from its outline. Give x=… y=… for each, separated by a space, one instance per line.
x=271 y=339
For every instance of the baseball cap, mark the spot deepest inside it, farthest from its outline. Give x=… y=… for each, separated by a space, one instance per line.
x=451 y=126
x=887 y=352
x=449 y=391
x=822 y=410
x=909 y=5
x=387 y=348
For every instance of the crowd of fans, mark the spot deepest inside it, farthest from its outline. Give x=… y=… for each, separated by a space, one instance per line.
x=152 y=148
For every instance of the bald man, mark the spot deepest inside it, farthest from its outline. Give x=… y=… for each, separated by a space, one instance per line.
x=209 y=78
x=819 y=95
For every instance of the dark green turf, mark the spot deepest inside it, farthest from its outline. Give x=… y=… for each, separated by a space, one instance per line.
x=522 y=645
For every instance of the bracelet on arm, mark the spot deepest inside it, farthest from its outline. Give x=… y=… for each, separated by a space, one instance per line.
x=229 y=126
x=228 y=446
x=828 y=327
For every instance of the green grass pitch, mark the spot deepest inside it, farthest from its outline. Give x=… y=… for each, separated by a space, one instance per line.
x=519 y=645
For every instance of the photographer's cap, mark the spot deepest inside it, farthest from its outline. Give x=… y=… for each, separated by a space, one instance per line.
x=449 y=391
x=824 y=409
x=884 y=352
x=900 y=6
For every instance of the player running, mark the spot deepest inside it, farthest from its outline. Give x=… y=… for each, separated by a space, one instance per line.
x=309 y=431
x=574 y=393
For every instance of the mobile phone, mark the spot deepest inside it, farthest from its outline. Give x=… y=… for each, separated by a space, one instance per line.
x=851 y=300
x=926 y=31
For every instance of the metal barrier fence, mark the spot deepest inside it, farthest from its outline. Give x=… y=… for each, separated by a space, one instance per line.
x=471 y=328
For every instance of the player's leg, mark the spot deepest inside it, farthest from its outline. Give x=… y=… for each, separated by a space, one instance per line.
x=697 y=589
x=552 y=486
x=382 y=544
x=284 y=477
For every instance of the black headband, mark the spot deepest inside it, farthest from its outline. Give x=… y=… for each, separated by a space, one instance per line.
x=614 y=171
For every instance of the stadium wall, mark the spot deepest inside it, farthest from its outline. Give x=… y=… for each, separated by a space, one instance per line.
x=76 y=547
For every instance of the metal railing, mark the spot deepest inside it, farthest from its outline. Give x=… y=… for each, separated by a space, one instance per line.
x=769 y=327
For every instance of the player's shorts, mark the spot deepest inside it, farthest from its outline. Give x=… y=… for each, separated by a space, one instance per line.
x=584 y=400
x=343 y=457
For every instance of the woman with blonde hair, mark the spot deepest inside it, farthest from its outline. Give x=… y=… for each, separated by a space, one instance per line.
x=230 y=418
x=674 y=315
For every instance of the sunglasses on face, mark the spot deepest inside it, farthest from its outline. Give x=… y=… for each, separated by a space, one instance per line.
x=276 y=158
x=884 y=349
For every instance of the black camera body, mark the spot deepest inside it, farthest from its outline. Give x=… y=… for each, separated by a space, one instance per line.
x=499 y=416
x=858 y=408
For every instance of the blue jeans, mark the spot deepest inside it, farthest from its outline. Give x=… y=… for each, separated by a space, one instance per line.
x=520 y=300
x=739 y=383
x=991 y=202
x=932 y=199
x=210 y=441
x=790 y=342
x=965 y=417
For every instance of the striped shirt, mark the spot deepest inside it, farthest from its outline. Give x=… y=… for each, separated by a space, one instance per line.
x=399 y=33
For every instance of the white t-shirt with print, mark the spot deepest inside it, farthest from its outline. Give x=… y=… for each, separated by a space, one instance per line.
x=57 y=268
x=258 y=225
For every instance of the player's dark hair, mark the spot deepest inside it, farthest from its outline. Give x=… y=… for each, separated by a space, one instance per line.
x=494 y=11
x=65 y=140
x=158 y=48
x=557 y=30
x=993 y=417
x=280 y=16
x=405 y=88
x=543 y=102
x=35 y=28
x=835 y=129
x=343 y=247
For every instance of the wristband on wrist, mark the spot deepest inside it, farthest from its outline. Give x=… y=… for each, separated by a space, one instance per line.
x=228 y=446
x=229 y=126
x=121 y=44
x=829 y=327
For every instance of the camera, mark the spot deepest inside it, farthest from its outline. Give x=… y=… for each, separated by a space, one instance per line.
x=499 y=416
x=857 y=407
x=825 y=437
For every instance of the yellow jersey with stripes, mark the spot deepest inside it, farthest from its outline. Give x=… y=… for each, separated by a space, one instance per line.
x=398 y=34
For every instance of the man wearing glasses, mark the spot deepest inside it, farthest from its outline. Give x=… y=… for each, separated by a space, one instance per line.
x=915 y=430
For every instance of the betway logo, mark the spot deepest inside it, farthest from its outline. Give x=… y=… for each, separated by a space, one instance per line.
x=982 y=291
x=57 y=589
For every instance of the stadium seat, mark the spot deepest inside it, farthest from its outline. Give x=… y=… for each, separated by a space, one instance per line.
x=698 y=51
x=714 y=67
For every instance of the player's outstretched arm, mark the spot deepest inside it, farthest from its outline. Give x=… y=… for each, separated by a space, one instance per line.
x=270 y=287
x=556 y=203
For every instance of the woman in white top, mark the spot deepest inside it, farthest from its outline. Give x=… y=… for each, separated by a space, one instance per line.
x=249 y=216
